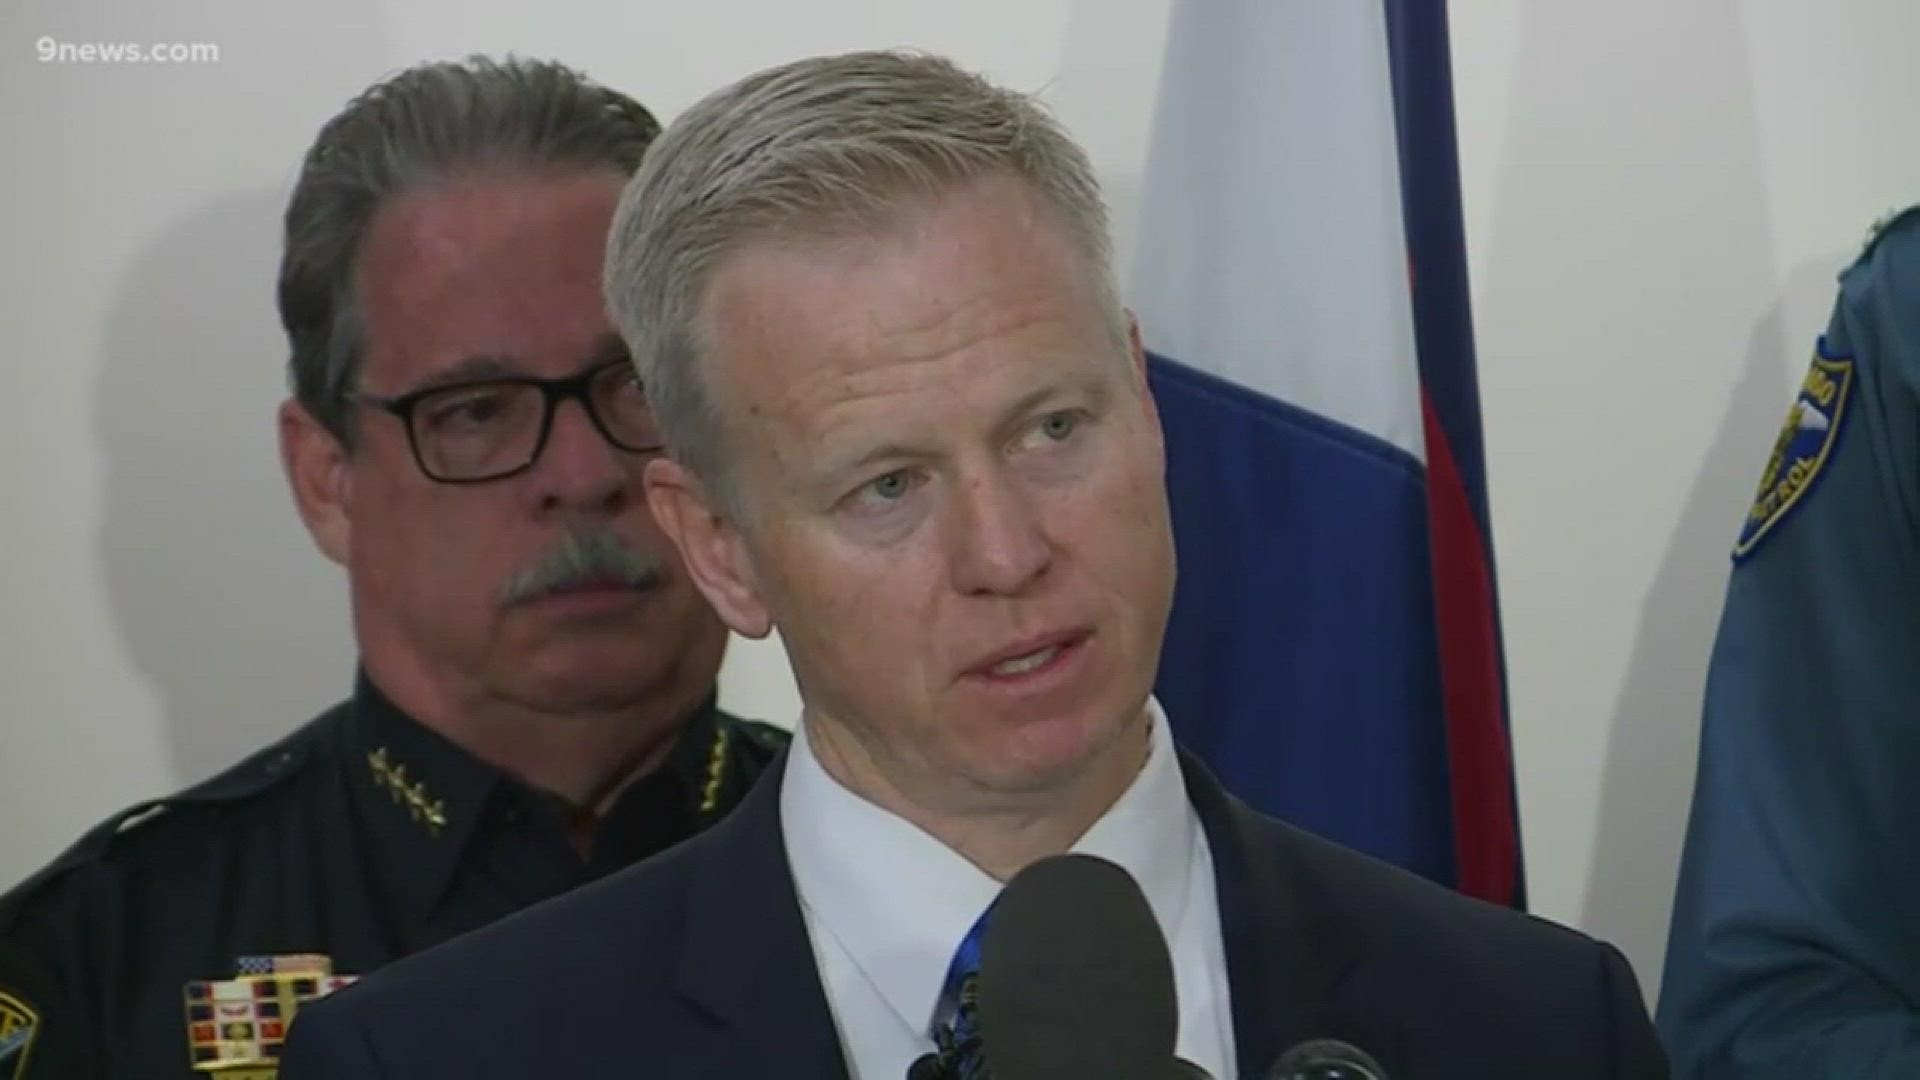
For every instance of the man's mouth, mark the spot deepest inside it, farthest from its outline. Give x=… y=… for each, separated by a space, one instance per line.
x=597 y=586
x=1020 y=665
x=1027 y=657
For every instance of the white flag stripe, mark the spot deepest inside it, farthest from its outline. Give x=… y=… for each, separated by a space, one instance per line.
x=1272 y=251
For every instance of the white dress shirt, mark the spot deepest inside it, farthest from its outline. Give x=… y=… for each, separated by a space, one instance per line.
x=886 y=904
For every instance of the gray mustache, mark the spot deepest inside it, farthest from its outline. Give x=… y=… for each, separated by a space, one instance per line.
x=583 y=556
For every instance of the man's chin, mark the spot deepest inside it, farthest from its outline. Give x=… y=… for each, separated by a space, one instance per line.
x=1028 y=773
x=1052 y=756
x=581 y=678
x=583 y=699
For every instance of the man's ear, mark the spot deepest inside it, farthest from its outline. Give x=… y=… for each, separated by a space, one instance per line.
x=318 y=472
x=1137 y=360
x=711 y=546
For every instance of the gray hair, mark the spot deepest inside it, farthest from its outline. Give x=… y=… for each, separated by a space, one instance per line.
x=416 y=128
x=824 y=147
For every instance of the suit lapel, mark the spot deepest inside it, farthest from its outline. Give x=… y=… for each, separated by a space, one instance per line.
x=747 y=961
x=1286 y=957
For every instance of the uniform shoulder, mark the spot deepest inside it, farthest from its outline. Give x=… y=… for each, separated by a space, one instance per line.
x=1895 y=226
x=1889 y=260
x=156 y=821
x=1868 y=332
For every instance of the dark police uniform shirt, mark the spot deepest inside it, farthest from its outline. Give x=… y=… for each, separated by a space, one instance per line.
x=361 y=838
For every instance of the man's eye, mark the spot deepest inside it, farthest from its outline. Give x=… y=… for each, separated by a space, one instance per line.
x=889 y=487
x=621 y=380
x=1057 y=426
x=468 y=410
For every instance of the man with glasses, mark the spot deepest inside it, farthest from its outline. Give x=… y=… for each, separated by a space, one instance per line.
x=534 y=706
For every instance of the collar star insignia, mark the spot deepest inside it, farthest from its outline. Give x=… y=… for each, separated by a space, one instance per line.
x=716 y=773
x=427 y=812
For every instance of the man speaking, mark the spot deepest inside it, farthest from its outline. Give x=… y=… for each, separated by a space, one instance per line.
x=872 y=301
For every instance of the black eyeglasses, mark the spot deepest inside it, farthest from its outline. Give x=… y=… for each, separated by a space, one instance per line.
x=491 y=429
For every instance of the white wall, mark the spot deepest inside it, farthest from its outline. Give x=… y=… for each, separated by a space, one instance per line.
x=1658 y=195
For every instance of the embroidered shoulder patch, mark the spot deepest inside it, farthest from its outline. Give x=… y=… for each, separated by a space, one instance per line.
x=18 y=1023
x=1800 y=453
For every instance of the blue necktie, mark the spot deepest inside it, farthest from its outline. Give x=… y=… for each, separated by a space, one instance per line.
x=956 y=1033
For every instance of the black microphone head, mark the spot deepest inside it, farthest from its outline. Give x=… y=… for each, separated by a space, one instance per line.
x=927 y=1067
x=1075 y=981
x=1326 y=1059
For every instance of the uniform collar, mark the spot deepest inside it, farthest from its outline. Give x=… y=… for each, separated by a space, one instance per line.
x=421 y=797
x=426 y=800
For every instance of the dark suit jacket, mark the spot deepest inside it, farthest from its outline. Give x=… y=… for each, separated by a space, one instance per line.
x=697 y=964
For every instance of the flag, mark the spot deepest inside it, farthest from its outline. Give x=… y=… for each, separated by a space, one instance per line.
x=1334 y=649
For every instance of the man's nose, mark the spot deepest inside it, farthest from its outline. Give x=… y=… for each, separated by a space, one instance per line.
x=579 y=469
x=999 y=545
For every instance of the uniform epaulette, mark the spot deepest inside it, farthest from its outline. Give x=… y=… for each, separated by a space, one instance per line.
x=258 y=773
x=1886 y=223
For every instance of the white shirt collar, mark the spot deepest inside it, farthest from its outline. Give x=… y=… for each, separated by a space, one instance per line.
x=899 y=901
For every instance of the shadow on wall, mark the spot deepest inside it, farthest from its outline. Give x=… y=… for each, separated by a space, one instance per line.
x=1630 y=250
x=1648 y=783
x=222 y=600
x=220 y=597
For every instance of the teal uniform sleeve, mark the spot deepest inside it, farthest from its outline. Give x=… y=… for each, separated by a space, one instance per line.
x=1795 y=945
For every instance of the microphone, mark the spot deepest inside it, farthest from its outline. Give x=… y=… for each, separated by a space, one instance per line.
x=928 y=1067
x=1075 y=980
x=1326 y=1059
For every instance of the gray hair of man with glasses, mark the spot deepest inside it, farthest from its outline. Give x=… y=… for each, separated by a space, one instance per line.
x=423 y=125
x=821 y=148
